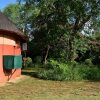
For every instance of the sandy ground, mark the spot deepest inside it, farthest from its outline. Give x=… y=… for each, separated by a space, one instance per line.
x=16 y=80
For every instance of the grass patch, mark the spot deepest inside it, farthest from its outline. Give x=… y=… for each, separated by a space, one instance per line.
x=35 y=89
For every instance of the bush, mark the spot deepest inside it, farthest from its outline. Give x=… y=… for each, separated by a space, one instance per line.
x=93 y=74
x=54 y=71
x=73 y=71
x=28 y=62
x=88 y=62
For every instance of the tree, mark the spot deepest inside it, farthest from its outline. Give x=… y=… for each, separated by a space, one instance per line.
x=18 y=14
x=12 y=12
x=57 y=18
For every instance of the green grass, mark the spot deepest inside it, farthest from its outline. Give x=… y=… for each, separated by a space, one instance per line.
x=32 y=88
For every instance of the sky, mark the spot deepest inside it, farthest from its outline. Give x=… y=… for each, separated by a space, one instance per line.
x=4 y=3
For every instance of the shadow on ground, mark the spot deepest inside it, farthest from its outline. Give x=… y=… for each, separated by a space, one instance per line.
x=29 y=73
x=33 y=73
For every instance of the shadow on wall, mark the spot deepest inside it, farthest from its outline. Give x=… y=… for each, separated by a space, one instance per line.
x=9 y=73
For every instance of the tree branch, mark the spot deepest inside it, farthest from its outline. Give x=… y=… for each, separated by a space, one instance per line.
x=84 y=21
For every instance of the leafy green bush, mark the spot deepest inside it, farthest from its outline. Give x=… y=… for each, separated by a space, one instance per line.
x=28 y=62
x=72 y=71
x=54 y=71
x=93 y=74
x=88 y=62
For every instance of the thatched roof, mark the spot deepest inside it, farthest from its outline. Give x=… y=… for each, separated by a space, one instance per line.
x=7 y=25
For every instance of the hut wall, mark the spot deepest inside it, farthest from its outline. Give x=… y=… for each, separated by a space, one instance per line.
x=8 y=46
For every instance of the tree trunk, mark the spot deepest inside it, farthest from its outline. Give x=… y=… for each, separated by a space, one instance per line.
x=46 y=54
x=71 y=55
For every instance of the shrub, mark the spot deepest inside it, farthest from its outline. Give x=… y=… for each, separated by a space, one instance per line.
x=93 y=74
x=54 y=71
x=28 y=62
x=72 y=71
x=88 y=62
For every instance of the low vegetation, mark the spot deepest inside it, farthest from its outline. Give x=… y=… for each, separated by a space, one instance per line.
x=55 y=70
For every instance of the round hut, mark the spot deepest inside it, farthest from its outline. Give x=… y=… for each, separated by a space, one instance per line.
x=11 y=39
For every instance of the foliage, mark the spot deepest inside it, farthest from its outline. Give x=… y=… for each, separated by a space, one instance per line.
x=57 y=18
x=56 y=24
x=37 y=59
x=20 y=15
x=61 y=30
x=54 y=71
x=28 y=62
x=12 y=12
x=88 y=62
x=72 y=71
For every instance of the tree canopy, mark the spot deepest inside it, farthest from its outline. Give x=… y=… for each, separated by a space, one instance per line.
x=57 y=25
